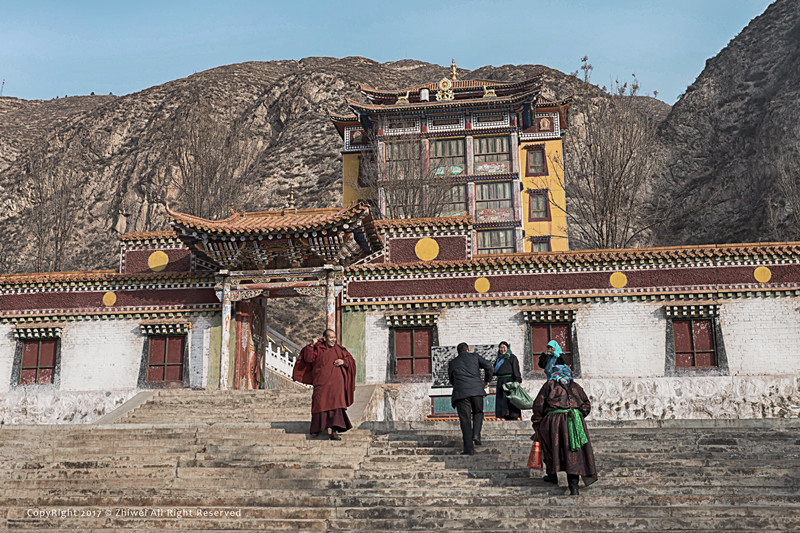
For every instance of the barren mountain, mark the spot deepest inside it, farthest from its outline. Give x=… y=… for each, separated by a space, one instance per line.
x=728 y=131
x=120 y=145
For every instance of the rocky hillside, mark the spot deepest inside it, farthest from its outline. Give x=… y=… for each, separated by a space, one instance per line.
x=727 y=131
x=121 y=144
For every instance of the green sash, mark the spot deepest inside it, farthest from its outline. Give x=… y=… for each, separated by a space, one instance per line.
x=577 y=436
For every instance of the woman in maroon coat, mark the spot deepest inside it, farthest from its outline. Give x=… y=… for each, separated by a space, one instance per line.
x=333 y=374
x=558 y=425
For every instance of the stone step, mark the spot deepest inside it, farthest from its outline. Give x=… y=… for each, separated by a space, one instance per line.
x=397 y=519
x=435 y=522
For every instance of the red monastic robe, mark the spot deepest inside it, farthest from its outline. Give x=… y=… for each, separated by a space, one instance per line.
x=334 y=387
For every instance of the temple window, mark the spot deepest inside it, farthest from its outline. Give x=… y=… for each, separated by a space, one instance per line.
x=455 y=203
x=540 y=244
x=165 y=358
x=552 y=324
x=38 y=355
x=499 y=241
x=403 y=202
x=402 y=160
x=535 y=165
x=412 y=351
x=492 y=155
x=694 y=341
x=542 y=333
x=539 y=205
x=412 y=336
x=494 y=196
x=447 y=157
x=164 y=363
x=38 y=363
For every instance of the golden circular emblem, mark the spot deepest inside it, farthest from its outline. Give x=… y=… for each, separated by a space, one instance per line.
x=158 y=261
x=445 y=84
x=762 y=274
x=109 y=299
x=427 y=249
x=618 y=280
x=482 y=285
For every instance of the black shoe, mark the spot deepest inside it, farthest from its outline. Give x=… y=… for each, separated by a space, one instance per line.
x=573 y=487
x=335 y=436
x=315 y=434
x=477 y=442
x=551 y=478
x=472 y=452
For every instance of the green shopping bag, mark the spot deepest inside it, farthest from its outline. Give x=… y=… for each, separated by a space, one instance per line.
x=517 y=395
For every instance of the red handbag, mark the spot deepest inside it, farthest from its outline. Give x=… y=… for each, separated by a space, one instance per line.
x=535 y=458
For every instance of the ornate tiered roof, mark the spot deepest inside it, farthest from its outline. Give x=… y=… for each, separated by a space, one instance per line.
x=460 y=103
x=278 y=239
x=270 y=222
x=462 y=89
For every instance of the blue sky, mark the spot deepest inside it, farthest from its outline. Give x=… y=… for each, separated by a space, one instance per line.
x=58 y=48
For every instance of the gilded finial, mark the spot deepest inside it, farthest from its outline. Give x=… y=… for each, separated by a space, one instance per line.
x=453 y=73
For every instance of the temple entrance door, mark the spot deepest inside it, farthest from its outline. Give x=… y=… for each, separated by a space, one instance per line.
x=250 y=344
x=244 y=315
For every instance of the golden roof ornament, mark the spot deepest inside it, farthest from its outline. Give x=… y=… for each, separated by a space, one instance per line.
x=488 y=93
x=403 y=99
x=453 y=73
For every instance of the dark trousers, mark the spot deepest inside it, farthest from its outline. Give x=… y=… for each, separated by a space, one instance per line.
x=470 y=415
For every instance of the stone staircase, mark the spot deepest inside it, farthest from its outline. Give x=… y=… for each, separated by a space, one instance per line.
x=241 y=460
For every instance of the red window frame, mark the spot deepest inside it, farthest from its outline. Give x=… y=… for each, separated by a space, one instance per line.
x=38 y=363
x=539 y=193
x=412 y=351
x=539 y=149
x=695 y=343
x=544 y=332
x=165 y=358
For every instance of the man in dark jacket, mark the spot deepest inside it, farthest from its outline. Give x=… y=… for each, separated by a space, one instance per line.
x=468 y=391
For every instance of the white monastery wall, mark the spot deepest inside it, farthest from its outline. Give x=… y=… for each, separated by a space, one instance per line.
x=762 y=335
x=482 y=325
x=8 y=345
x=622 y=348
x=620 y=339
x=101 y=355
x=376 y=337
x=99 y=370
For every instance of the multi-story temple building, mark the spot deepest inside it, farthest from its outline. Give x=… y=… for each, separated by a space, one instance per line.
x=488 y=150
x=679 y=332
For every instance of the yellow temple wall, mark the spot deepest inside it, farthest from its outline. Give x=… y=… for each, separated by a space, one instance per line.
x=350 y=191
x=556 y=227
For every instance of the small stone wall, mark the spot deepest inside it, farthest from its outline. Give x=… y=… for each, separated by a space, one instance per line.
x=59 y=407
x=748 y=397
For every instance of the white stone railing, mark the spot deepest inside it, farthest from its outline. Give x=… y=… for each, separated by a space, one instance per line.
x=280 y=353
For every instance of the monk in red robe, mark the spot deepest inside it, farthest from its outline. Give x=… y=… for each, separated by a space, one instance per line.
x=333 y=374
